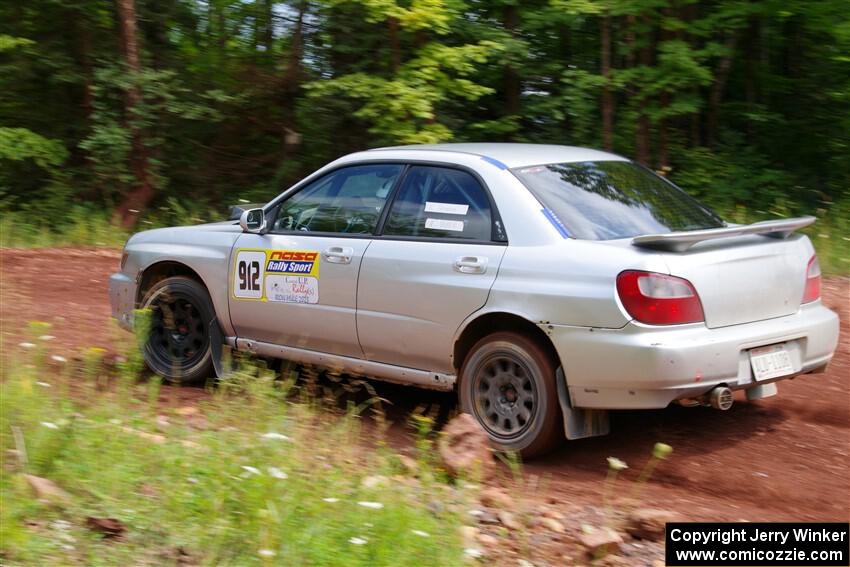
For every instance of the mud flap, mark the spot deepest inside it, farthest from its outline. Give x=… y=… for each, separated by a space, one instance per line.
x=580 y=423
x=217 y=346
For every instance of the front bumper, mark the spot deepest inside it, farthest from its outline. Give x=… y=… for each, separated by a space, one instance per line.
x=643 y=367
x=122 y=298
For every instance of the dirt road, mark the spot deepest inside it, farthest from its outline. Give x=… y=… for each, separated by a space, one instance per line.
x=783 y=458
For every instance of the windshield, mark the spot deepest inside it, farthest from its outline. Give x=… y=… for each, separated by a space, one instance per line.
x=604 y=200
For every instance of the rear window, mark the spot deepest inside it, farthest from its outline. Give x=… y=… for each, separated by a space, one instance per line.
x=605 y=200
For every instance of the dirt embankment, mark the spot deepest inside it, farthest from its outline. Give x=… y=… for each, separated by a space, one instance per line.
x=782 y=458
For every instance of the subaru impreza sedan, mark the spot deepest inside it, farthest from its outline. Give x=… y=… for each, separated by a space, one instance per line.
x=545 y=284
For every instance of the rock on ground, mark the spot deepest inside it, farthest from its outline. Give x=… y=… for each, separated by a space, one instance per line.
x=469 y=535
x=465 y=448
x=601 y=542
x=552 y=525
x=508 y=520
x=649 y=523
x=46 y=489
x=493 y=497
x=408 y=465
x=109 y=527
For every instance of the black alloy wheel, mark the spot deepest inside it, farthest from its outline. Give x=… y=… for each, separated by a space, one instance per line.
x=178 y=344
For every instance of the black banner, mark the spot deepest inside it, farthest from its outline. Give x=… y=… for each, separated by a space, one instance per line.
x=762 y=544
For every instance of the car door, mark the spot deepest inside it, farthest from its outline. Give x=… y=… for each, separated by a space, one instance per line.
x=297 y=284
x=432 y=266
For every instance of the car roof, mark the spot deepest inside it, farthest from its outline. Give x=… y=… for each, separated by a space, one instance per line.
x=516 y=155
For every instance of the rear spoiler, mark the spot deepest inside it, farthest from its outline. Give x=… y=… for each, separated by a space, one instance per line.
x=682 y=241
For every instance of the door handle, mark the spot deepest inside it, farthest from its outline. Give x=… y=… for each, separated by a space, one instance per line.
x=339 y=254
x=471 y=264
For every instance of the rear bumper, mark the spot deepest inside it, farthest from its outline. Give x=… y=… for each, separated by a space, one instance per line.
x=642 y=366
x=122 y=298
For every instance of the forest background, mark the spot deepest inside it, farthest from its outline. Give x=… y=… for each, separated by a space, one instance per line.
x=118 y=116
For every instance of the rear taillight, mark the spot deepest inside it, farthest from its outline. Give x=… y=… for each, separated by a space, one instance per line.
x=658 y=299
x=812 y=281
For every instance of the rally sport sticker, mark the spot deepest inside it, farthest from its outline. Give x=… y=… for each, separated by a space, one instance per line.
x=284 y=276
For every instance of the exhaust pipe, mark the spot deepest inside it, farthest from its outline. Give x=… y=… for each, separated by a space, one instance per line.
x=720 y=398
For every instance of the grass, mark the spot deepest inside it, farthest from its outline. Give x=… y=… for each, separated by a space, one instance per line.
x=85 y=225
x=81 y=228
x=254 y=478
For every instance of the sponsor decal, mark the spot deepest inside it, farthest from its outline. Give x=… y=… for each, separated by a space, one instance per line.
x=293 y=262
x=285 y=276
x=292 y=289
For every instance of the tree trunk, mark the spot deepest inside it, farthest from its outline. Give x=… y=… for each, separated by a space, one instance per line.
x=291 y=87
x=715 y=97
x=85 y=48
x=564 y=53
x=662 y=157
x=642 y=148
x=222 y=27
x=512 y=83
x=696 y=126
x=750 y=92
x=395 y=47
x=690 y=14
x=142 y=193
x=642 y=142
x=607 y=95
x=268 y=29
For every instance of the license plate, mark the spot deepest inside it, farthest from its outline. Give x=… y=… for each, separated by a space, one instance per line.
x=770 y=362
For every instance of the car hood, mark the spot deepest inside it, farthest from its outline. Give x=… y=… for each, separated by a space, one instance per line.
x=183 y=233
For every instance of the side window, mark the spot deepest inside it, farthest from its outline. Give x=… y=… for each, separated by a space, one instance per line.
x=347 y=201
x=440 y=202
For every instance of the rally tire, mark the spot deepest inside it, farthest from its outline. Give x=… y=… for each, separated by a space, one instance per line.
x=178 y=346
x=508 y=384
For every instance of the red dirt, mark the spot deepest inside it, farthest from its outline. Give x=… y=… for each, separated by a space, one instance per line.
x=782 y=458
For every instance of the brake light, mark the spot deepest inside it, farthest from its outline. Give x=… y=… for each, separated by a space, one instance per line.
x=658 y=299
x=813 y=278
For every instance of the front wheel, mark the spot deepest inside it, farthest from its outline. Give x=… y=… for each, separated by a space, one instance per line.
x=507 y=383
x=178 y=346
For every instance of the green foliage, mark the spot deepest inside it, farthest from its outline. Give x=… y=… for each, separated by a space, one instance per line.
x=7 y=42
x=252 y=478
x=579 y=101
x=746 y=103
x=402 y=106
x=19 y=144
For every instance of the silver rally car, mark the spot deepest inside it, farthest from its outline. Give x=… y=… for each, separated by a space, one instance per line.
x=546 y=284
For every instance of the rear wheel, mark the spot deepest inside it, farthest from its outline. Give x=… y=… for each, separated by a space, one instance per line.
x=508 y=384
x=178 y=346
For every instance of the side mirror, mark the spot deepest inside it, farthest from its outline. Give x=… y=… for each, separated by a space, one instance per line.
x=253 y=221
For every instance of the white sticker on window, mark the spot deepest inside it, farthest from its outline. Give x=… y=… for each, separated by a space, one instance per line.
x=292 y=289
x=441 y=224
x=446 y=208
